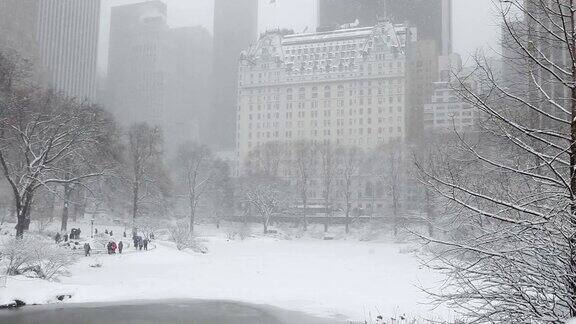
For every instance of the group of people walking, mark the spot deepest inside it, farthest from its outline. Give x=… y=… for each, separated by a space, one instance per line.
x=74 y=235
x=140 y=243
x=112 y=247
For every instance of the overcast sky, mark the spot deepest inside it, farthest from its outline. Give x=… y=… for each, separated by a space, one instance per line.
x=474 y=23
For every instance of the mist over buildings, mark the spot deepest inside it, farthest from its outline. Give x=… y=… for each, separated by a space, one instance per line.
x=263 y=142
x=146 y=57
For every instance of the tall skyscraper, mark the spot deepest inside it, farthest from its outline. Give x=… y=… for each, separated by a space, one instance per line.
x=18 y=26
x=157 y=74
x=68 y=44
x=235 y=28
x=433 y=18
x=333 y=13
x=61 y=36
x=137 y=63
x=189 y=97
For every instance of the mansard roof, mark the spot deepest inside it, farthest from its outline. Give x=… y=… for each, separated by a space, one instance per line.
x=278 y=47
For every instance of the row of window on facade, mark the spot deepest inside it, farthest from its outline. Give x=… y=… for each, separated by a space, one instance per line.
x=350 y=85
x=328 y=132
x=399 y=99
x=321 y=67
x=327 y=122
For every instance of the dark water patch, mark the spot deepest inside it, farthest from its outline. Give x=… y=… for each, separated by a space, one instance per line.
x=166 y=312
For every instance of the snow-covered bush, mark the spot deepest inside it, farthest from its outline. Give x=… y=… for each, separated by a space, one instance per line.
x=52 y=261
x=16 y=254
x=244 y=231
x=180 y=234
x=239 y=230
x=35 y=256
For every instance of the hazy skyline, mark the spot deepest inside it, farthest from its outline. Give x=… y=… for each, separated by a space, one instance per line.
x=470 y=17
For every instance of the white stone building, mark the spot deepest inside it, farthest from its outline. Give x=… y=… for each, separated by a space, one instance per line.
x=344 y=86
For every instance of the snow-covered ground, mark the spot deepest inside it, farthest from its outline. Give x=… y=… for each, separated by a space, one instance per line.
x=341 y=279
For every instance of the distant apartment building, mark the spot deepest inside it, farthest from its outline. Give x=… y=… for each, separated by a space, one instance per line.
x=235 y=28
x=422 y=71
x=344 y=86
x=137 y=63
x=447 y=112
x=60 y=36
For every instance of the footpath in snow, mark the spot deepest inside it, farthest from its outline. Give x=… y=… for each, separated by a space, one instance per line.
x=338 y=279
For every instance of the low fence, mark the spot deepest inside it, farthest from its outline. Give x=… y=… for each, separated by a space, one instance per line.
x=321 y=219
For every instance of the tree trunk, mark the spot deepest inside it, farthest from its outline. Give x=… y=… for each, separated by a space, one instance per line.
x=396 y=220
x=51 y=206
x=79 y=206
x=65 y=210
x=347 y=217
x=327 y=213
x=429 y=214
x=304 y=210
x=192 y=214
x=23 y=219
x=135 y=192
x=20 y=225
x=572 y=241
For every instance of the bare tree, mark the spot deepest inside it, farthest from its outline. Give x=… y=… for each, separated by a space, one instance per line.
x=143 y=164
x=351 y=160
x=391 y=173
x=511 y=253
x=267 y=195
x=39 y=131
x=266 y=159
x=303 y=161
x=221 y=192
x=329 y=167
x=196 y=172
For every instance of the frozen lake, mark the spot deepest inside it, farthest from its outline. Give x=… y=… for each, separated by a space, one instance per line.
x=167 y=312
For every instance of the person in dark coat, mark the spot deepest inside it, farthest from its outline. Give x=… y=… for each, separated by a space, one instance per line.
x=106 y=231
x=140 y=244
x=120 y=247
x=124 y=233
x=145 y=243
x=57 y=238
x=108 y=247
x=65 y=237
x=111 y=233
x=87 y=249
x=113 y=246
